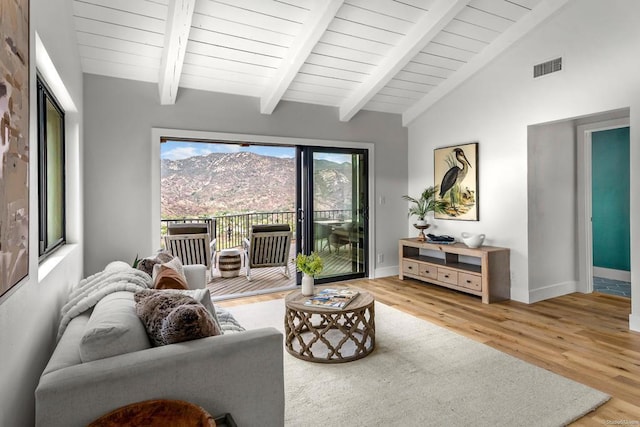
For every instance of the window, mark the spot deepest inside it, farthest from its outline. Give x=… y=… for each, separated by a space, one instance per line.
x=51 y=171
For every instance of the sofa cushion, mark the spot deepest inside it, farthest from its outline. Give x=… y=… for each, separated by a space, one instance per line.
x=168 y=278
x=113 y=328
x=171 y=317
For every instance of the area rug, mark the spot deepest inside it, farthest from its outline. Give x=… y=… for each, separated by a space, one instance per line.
x=422 y=375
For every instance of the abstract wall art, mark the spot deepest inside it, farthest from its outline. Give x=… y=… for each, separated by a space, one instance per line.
x=14 y=142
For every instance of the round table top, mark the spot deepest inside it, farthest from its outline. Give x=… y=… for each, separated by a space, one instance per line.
x=230 y=252
x=295 y=300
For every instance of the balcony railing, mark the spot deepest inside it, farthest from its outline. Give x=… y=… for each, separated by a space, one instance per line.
x=230 y=230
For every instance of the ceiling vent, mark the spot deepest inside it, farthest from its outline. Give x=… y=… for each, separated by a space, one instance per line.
x=547 y=67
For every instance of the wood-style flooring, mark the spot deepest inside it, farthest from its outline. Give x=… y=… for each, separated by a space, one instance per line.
x=584 y=337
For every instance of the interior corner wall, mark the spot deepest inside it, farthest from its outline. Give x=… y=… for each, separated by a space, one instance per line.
x=30 y=312
x=552 y=209
x=597 y=41
x=119 y=116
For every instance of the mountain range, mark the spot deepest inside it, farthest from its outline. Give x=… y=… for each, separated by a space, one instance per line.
x=228 y=183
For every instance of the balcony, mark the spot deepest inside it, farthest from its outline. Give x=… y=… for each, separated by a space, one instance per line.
x=230 y=230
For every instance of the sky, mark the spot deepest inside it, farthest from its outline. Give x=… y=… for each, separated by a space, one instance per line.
x=177 y=150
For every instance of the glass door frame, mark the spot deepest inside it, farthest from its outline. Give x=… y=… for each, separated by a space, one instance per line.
x=305 y=229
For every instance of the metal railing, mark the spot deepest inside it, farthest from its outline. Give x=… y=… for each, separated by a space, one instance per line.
x=230 y=230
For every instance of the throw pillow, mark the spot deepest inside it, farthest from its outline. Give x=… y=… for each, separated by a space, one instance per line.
x=146 y=264
x=168 y=278
x=171 y=317
x=113 y=328
x=174 y=264
x=203 y=296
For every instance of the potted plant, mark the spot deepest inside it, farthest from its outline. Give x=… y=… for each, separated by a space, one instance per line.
x=424 y=204
x=309 y=265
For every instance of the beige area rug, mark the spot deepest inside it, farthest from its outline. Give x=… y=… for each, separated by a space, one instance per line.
x=422 y=375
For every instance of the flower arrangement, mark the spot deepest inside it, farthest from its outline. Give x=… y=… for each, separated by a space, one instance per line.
x=309 y=264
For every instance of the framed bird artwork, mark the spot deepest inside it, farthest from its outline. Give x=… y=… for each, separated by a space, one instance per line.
x=456 y=175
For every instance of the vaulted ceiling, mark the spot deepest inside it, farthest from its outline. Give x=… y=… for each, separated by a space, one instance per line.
x=395 y=56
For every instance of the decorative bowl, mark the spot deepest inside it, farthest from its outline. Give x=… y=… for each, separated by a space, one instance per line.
x=472 y=240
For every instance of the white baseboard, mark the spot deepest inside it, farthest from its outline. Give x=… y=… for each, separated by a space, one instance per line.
x=608 y=273
x=520 y=295
x=552 y=291
x=386 y=271
x=634 y=322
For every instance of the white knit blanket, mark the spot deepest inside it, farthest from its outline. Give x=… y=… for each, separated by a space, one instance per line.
x=117 y=276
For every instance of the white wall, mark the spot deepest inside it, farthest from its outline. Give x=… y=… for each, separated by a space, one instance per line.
x=598 y=43
x=552 y=213
x=29 y=314
x=119 y=116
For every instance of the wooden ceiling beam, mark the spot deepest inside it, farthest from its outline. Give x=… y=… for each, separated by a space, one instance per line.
x=175 y=46
x=422 y=32
x=319 y=19
x=531 y=20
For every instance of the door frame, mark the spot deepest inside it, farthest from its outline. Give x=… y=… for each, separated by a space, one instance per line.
x=157 y=134
x=305 y=207
x=585 y=232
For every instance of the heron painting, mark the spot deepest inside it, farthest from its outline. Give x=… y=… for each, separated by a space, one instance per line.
x=456 y=173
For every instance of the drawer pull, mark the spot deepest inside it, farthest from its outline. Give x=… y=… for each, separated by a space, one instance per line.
x=410 y=267
x=446 y=275
x=468 y=281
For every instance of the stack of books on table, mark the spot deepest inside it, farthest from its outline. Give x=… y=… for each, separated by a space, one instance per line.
x=332 y=298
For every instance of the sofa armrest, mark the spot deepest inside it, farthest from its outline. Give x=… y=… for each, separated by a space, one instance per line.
x=241 y=374
x=196 y=275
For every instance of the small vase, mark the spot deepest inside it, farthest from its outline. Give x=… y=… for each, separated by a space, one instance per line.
x=307 y=285
x=421 y=222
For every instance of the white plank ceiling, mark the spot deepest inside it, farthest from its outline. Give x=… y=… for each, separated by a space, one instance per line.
x=395 y=56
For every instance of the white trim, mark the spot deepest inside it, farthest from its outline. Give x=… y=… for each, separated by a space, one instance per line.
x=552 y=291
x=634 y=322
x=158 y=133
x=387 y=271
x=611 y=274
x=585 y=236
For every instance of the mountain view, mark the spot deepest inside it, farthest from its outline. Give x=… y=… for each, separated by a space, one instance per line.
x=224 y=183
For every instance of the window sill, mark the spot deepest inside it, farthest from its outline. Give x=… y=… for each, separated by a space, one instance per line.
x=51 y=262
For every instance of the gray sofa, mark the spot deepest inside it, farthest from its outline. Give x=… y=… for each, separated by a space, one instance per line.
x=238 y=373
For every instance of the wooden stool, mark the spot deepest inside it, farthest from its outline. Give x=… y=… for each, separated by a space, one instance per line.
x=157 y=413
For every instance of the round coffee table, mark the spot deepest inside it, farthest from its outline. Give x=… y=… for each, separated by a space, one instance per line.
x=329 y=335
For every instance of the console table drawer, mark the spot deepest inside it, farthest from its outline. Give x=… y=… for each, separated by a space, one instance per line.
x=448 y=276
x=429 y=271
x=410 y=267
x=470 y=281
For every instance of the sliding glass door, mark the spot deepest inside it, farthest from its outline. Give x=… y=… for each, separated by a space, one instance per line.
x=333 y=210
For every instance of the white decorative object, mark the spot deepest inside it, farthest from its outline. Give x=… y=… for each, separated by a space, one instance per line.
x=421 y=222
x=307 y=284
x=472 y=240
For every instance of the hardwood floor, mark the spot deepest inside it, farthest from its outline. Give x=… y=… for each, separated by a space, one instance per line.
x=584 y=337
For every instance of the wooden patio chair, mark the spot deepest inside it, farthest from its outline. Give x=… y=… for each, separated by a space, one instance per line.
x=268 y=246
x=192 y=248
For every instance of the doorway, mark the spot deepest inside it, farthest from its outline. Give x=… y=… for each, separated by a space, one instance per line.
x=606 y=246
x=329 y=207
x=333 y=210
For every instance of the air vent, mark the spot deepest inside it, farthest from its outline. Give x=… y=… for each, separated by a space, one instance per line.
x=547 y=67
